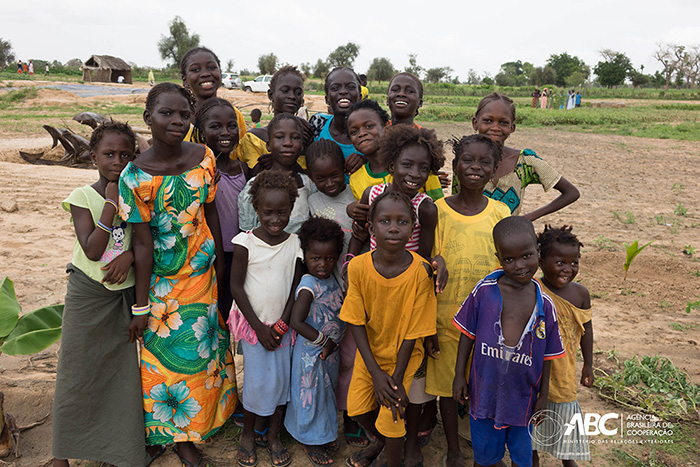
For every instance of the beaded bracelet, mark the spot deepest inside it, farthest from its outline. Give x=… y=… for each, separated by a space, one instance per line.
x=140 y=310
x=111 y=201
x=319 y=338
x=281 y=327
x=104 y=227
x=325 y=341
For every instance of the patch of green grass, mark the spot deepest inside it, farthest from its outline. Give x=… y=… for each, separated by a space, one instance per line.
x=664 y=304
x=627 y=219
x=682 y=327
x=604 y=243
x=680 y=210
x=691 y=305
x=11 y=98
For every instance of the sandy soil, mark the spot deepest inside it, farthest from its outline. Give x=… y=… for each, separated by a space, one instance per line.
x=645 y=177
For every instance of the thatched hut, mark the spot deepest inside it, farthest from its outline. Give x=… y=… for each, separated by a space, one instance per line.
x=105 y=69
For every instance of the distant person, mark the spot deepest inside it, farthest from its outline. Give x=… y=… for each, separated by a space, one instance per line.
x=120 y=79
x=303 y=111
x=543 y=99
x=24 y=67
x=46 y=70
x=255 y=116
x=364 y=90
x=19 y=66
x=578 y=99
x=571 y=100
x=30 y=67
x=151 y=78
x=535 y=98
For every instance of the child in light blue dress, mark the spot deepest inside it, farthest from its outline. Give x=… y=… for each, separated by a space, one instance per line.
x=312 y=411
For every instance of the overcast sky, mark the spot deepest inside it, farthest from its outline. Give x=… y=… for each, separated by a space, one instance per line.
x=458 y=34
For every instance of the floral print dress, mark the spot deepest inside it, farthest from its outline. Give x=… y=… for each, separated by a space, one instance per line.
x=312 y=414
x=187 y=369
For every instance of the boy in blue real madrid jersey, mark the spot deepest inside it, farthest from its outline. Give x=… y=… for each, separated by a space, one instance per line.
x=512 y=328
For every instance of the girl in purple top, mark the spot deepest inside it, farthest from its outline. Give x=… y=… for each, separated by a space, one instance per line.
x=217 y=123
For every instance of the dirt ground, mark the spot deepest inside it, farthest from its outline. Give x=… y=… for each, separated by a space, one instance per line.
x=647 y=178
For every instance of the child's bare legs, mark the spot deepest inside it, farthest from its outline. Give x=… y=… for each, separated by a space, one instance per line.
x=365 y=457
x=394 y=449
x=60 y=463
x=278 y=453
x=413 y=455
x=536 y=459
x=448 y=410
x=246 y=443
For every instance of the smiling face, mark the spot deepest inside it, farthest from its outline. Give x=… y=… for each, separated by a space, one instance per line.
x=391 y=225
x=273 y=210
x=403 y=97
x=288 y=94
x=519 y=258
x=474 y=166
x=560 y=266
x=365 y=128
x=170 y=118
x=202 y=75
x=343 y=91
x=320 y=259
x=495 y=121
x=221 y=129
x=411 y=169
x=112 y=154
x=285 y=144
x=328 y=174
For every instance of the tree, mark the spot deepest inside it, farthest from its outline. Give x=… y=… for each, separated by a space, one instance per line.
x=575 y=79
x=344 y=55
x=514 y=73
x=667 y=55
x=179 y=41
x=267 y=64
x=413 y=67
x=321 y=68
x=7 y=57
x=229 y=64
x=74 y=63
x=543 y=75
x=437 y=75
x=306 y=68
x=380 y=70
x=638 y=79
x=564 y=65
x=473 y=77
x=614 y=69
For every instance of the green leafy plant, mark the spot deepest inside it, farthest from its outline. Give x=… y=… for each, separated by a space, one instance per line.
x=651 y=384
x=628 y=219
x=29 y=333
x=633 y=250
x=677 y=187
x=690 y=306
x=664 y=304
x=680 y=210
x=689 y=250
x=604 y=243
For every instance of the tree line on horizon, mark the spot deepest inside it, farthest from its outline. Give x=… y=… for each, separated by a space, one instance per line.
x=680 y=65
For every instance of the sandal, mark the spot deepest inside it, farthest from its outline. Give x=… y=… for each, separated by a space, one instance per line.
x=186 y=463
x=358 y=439
x=333 y=446
x=261 y=438
x=275 y=457
x=359 y=459
x=155 y=456
x=424 y=436
x=249 y=455
x=318 y=457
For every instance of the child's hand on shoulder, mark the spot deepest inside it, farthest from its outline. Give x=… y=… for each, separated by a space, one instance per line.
x=360 y=232
x=118 y=268
x=264 y=162
x=432 y=348
x=587 y=377
x=353 y=163
x=358 y=211
x=327 y=349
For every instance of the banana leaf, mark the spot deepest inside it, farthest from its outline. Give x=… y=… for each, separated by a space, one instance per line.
x=9 y=307
x=35 y=331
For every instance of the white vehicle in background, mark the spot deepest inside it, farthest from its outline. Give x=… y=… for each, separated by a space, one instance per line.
x=231 y=80
x=259 y=84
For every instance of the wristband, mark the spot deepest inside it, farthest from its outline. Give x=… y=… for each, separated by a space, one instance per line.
x=111 y=201
x=325 y=341
x=281 y=327
x=140 y=310
x=319 y=339
x=104 y=227
x=346 y=257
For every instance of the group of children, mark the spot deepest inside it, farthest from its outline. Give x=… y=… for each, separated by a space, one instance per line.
x=328 y=250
